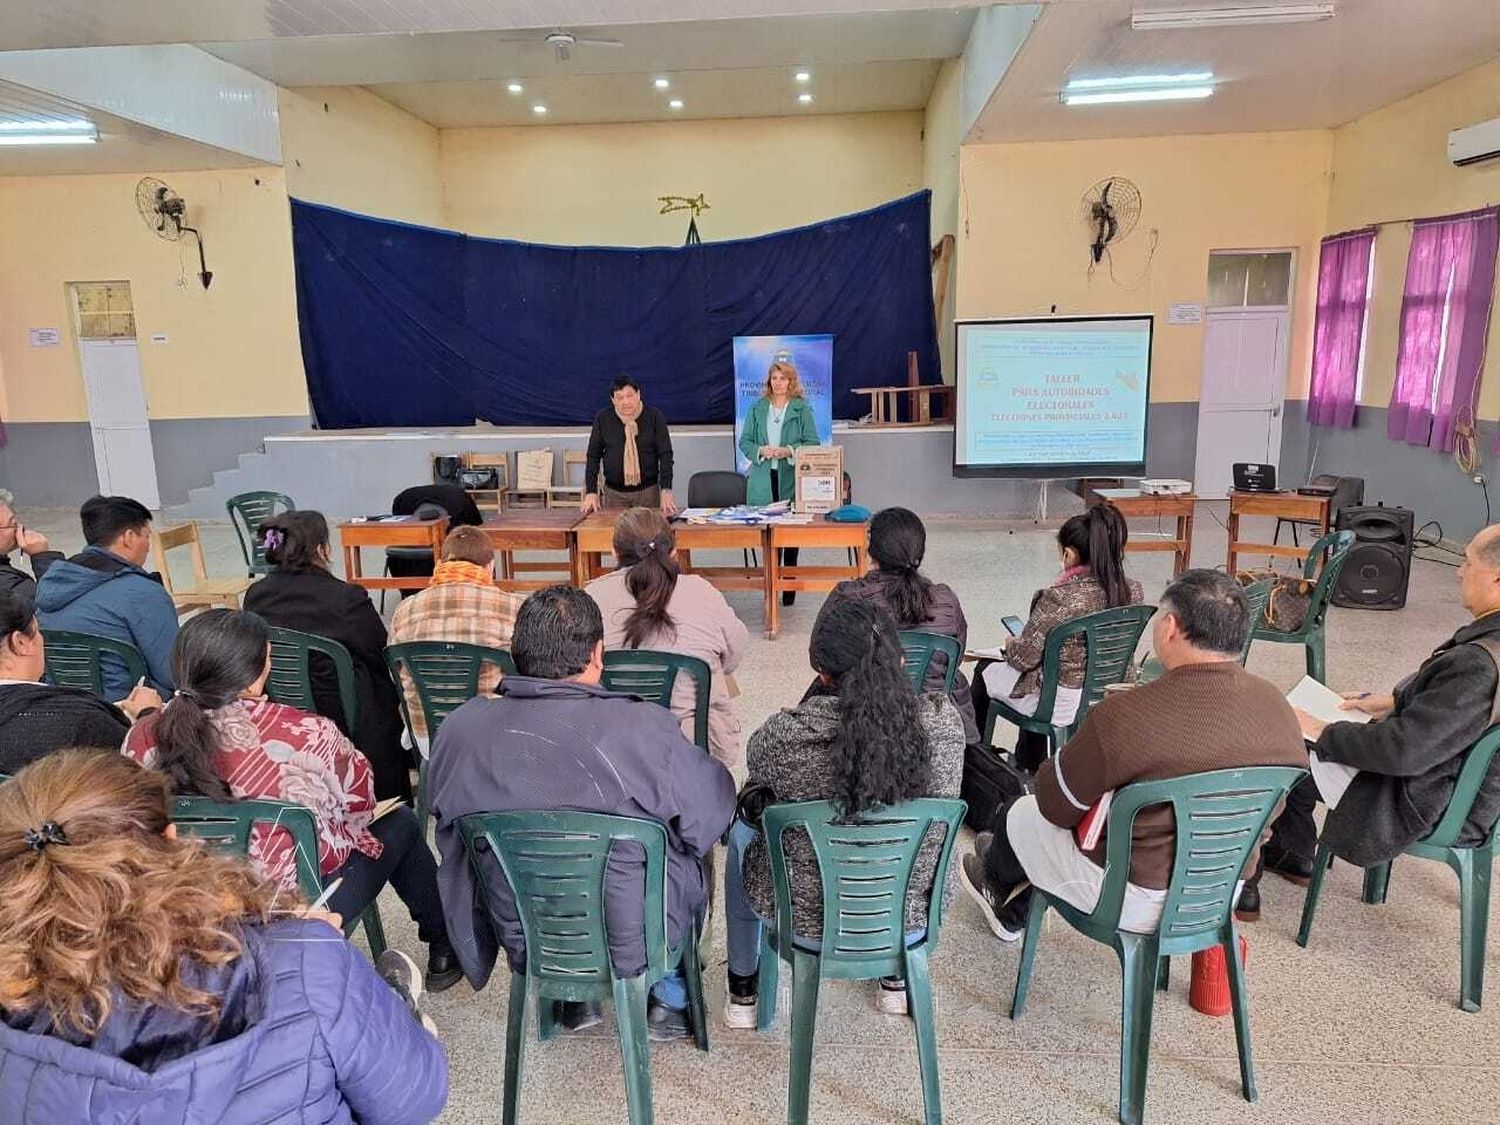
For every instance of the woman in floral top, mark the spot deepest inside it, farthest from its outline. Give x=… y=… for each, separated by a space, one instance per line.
x=220 y=737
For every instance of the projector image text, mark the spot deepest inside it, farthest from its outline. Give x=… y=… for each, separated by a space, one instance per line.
x=1062 y=400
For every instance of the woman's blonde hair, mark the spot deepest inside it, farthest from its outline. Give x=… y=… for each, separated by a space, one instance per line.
x=794 y=387
x=98 y=903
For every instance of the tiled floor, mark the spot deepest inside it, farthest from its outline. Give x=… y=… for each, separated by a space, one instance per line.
x=1361 y=1027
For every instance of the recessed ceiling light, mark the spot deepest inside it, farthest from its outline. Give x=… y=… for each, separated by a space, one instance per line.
x=663 y=83
x=803 y=76
x=804 y=98
x=675 y=103
x=515 y=87
x=538 y=109
x=1236 y=15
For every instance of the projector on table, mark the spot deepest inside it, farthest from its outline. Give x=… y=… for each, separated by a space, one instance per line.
x=1165 y=486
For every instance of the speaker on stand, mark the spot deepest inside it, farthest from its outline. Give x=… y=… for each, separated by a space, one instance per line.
x=1378 y=567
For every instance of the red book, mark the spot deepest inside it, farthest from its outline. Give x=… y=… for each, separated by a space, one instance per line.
x=1088 y=831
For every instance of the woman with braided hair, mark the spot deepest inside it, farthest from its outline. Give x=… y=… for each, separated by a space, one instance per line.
x=649 y=603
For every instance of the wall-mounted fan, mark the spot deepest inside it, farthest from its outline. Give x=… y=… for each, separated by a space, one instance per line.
x=165 y=212
x=562 y=42
x=1111 y=209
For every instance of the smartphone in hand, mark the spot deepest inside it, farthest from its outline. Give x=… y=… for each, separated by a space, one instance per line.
x=1013 y=624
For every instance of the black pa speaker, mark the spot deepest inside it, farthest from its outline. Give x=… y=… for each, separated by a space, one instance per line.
x=1378 y=567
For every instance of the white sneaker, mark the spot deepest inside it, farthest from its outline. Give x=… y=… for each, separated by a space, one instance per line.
x=740 y=1016
x=892 y=1001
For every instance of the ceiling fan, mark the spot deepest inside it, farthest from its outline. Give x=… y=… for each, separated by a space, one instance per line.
x=562 y=42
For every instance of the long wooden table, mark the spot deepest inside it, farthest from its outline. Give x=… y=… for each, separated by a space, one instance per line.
x=533 y=529
x=820 y=533
x=1282 y=505
x=392 y=531
x=1133 y=503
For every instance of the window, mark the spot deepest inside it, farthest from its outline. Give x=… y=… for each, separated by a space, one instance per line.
x=104 y=310
x=1345 y=274
x=1239 y=280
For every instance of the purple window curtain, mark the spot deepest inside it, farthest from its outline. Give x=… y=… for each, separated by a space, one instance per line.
x=1445 y=314
x=1343 y=291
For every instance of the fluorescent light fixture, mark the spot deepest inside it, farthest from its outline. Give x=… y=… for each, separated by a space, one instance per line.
x=663 y=83
x=802 y=76
x=539 y=109
x=1235 y=15
x=48 y=138
x=515 y=87
x=1120 y=97
x=65 y=125
x=1138 y=81
x=675 y=103
x=804 y=98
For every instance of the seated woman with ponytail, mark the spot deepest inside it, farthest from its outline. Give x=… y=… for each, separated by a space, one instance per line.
x=863 y=739
x=144 y=980
x=898 y=542
x=220 y=737
x=1092 y=547
x=649 y=603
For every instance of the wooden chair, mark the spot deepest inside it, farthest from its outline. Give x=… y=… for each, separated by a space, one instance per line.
x=488 y=499
x=532 y=487
x=568 y=494
x=206 y=592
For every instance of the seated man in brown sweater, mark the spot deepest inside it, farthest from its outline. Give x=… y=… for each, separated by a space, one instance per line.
x=1206 y=713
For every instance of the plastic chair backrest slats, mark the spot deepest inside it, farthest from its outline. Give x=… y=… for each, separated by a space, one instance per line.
x=226 y=827
x=78 y=660
x=290 y=681
x=445 y=674
x=918 y=647
x=555 y=865
x=1466 y=790
x=1219 y=817
x=653 y=675
x=1336 y=546
x=866 y=867
x=1257 y=597
x=1110 y=638
x=248 y=511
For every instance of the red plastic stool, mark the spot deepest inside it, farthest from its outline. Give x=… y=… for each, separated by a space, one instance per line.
x=1209 y=991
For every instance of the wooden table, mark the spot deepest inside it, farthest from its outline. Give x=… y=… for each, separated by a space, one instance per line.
x=1133 y=503
x=393 y=531
x=533 y=529
x=820 y=533
x=1282 y=505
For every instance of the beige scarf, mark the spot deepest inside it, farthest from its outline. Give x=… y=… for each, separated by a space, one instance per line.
x=632 y=460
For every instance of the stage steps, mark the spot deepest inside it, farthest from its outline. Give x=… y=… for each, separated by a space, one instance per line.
x=255 y=470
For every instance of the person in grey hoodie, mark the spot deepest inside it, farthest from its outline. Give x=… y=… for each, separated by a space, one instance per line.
x=105 y=589
x=554 y=739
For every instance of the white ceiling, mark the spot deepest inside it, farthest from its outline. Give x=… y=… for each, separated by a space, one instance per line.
x=123 y=146
x=1289 y=76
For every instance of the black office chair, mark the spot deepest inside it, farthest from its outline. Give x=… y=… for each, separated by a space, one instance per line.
x=720 y=489
x=426 y=501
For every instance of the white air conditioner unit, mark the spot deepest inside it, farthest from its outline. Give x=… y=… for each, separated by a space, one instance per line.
x=1475 y=143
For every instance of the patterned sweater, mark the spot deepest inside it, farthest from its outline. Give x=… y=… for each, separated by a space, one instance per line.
x=790 y=755
x=1073 y=597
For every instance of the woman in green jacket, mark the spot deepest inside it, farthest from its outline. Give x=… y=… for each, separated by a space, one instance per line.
x=777 y=424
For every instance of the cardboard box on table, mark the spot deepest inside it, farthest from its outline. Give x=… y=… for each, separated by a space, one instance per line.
x=820 y=478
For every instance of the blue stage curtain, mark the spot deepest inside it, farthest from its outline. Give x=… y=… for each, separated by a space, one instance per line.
x=410 y=326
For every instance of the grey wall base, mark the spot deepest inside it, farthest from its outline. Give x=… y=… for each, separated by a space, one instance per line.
x=1397 y=474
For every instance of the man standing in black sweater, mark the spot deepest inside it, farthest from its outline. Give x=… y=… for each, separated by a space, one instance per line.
x=36 y=718
x=631 y=446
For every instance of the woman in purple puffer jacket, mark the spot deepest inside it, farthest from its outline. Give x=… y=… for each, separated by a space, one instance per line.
x=144 y=980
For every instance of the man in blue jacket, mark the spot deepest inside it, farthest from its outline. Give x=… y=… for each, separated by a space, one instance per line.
x=554 y=739
x=105 y=589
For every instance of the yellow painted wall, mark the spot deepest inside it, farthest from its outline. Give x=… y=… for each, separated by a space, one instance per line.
x=942 y=136
x=598 y=184
x=231 y=351
x=1393 y=165
x=344 y=146
x=1023 y=246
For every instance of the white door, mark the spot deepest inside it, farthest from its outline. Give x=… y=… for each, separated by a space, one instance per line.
x=117 y=418
x=1244 y=389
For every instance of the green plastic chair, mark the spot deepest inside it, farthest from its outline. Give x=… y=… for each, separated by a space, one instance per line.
x=652 y=675
x=866 y=868
x=247 y=512
x=1110 y=638
x=446 y=676
x=1312 y=634
x=917 y=650
x=1472 y=865
x=225 y=826
x=290 y=681
x=77 y=660
x=555 y=862
x=1224 y=813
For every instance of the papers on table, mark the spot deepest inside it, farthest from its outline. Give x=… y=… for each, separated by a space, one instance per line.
x=1322 y=703
x=780 y=512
